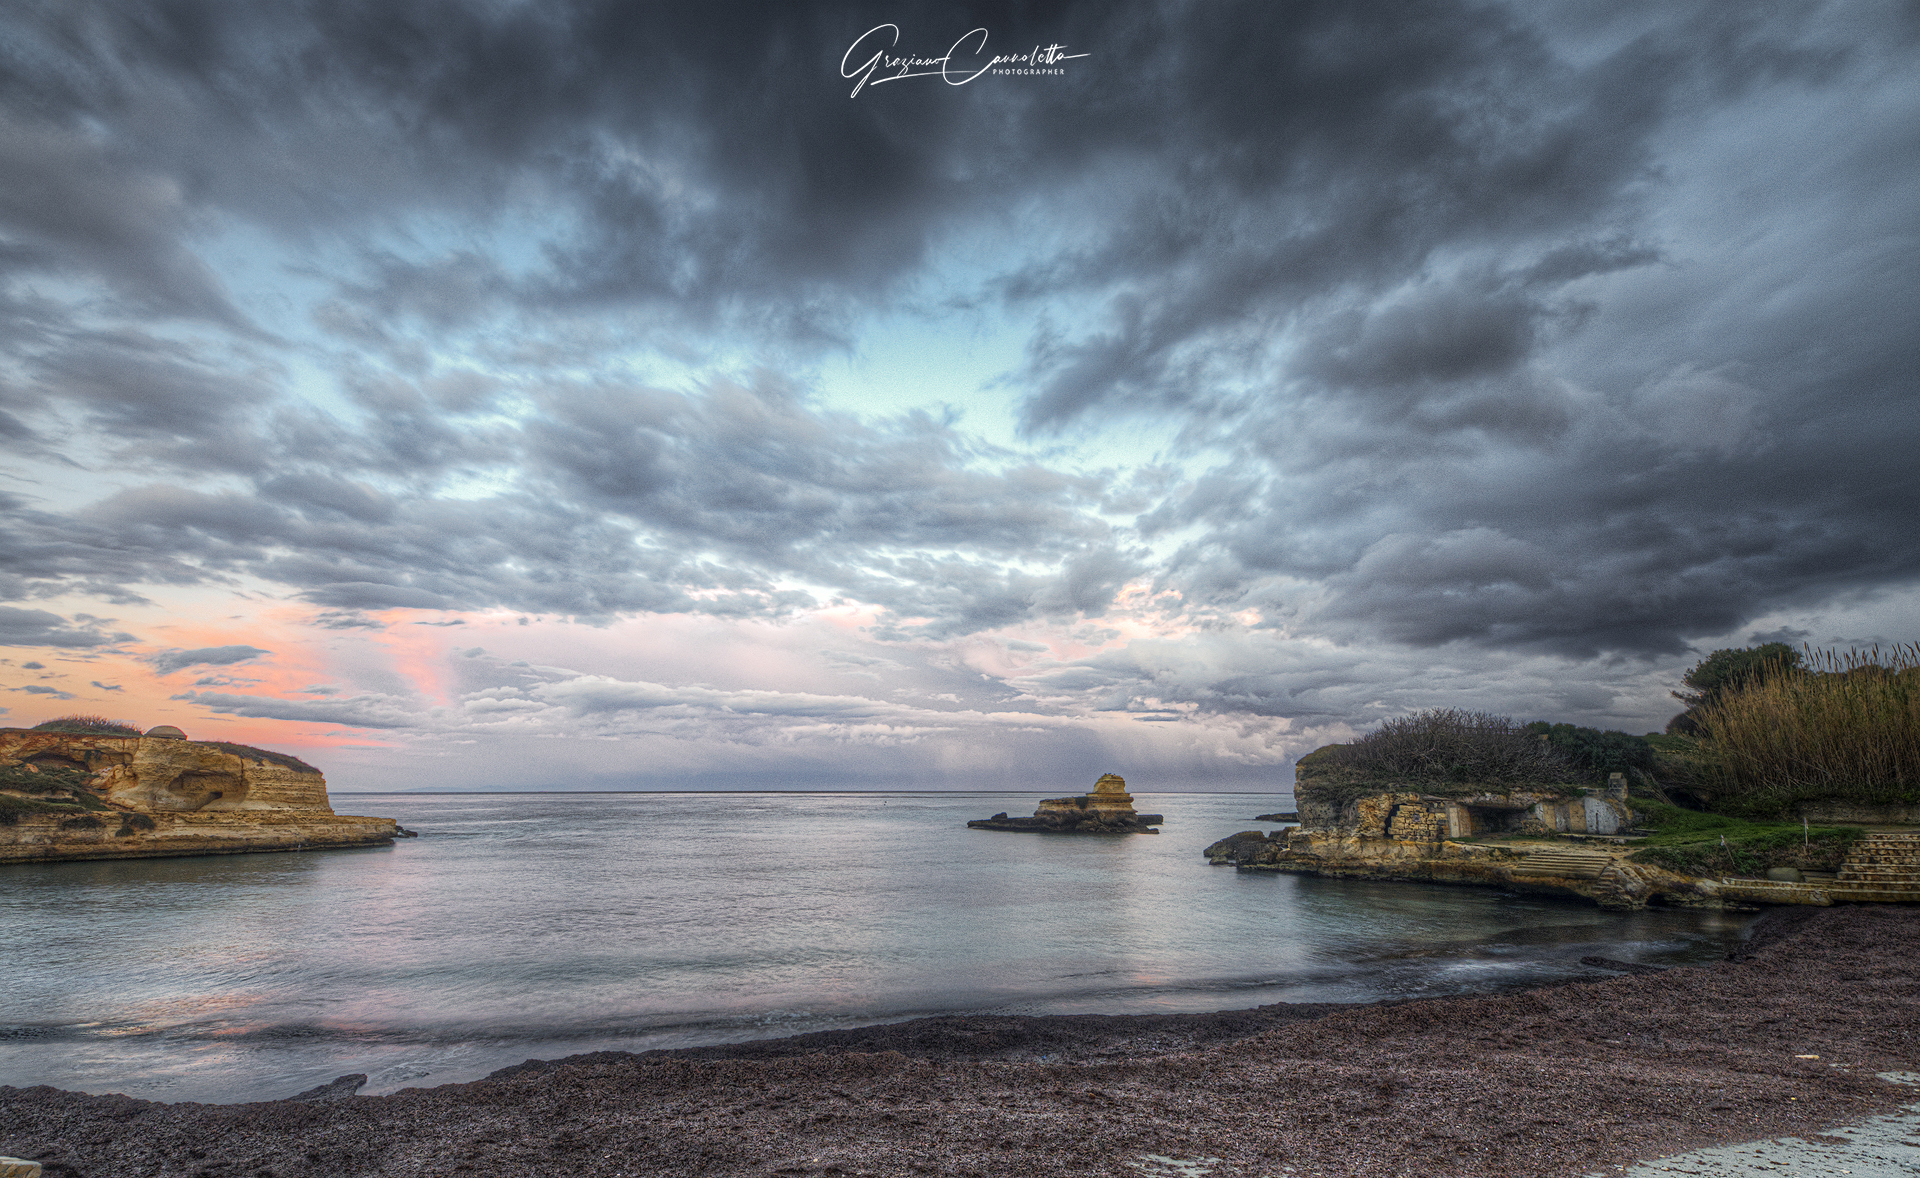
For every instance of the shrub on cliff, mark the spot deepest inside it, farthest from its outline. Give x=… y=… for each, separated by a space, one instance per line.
x=51 y=781
x=1451 y=745
x=1595 y=754
x=83 y=725
x=11 y=808
x=253 y=754
x=41 y=779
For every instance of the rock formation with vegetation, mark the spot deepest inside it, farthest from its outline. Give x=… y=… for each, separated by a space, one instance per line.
x=1761 y=792
x=86 y=787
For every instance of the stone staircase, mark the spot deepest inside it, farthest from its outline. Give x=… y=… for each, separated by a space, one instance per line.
x=1607 y=881
x=1883 y=866
x=1568 y=864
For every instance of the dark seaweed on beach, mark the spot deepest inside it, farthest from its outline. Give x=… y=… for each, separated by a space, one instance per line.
x=1785 y=1037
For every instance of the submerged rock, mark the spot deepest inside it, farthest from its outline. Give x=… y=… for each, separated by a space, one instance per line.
x=337 y=1089
x=1107 y=810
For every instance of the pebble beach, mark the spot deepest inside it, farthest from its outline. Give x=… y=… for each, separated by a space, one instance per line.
x=1789 y=1036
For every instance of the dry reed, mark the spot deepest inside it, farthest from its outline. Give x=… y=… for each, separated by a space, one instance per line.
x=1843 y=726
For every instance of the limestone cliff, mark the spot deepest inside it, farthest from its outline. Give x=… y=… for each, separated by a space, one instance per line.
x=97 y=796
x=1359 y=828
x=1332 y=797
x=1551 y=839
x=1107 y=810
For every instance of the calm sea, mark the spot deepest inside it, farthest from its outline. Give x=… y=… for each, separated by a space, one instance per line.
x=539 y=925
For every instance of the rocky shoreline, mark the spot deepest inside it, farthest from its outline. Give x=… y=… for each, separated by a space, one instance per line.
x=1547 y=839
x=1787 y=1036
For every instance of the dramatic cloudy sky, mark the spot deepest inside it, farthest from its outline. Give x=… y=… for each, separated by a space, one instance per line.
x=606 y=395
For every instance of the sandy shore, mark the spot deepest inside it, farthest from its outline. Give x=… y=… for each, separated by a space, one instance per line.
x=1569 y=1080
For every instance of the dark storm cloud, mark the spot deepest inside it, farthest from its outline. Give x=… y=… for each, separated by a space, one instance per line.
x=167 y=662
x=363 y=711
x=620 y=500
x=37 y=627
x=134 y=385
x=896 y=514
x=71 y=207
x=1519 y=327
x=704 y=157
x=1664 y=451
x=1343 y=150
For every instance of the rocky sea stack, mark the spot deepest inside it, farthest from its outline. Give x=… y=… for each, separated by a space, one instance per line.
x=1107 y=810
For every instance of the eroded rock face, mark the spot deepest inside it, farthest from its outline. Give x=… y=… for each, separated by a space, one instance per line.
x=162 y=794
x=1358 y=828
x=1333 y=799
x=162 y=773
x=1107 y=810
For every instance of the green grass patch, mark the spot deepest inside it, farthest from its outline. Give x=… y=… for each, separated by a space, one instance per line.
x=50 y=781
x=1718 y=845
x=1670 y=743
x=42 y=779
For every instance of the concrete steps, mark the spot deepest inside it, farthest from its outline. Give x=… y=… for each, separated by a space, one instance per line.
x=1883 y=866
x=1566 y=864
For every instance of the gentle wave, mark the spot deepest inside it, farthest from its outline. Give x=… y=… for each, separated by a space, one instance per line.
x=530 y=924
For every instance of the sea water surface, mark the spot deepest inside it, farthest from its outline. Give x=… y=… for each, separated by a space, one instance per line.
x=538 y=925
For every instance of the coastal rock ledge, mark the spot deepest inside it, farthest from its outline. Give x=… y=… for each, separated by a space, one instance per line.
x=1551 y=840
x=1107 y=810
x=68 y=796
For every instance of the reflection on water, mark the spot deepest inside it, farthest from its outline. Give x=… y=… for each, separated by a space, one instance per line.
x=537 y=925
